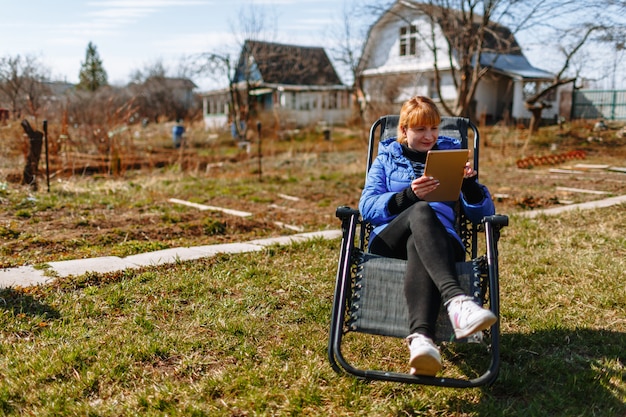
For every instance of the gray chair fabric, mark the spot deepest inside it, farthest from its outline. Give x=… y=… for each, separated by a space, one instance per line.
x=378 y=305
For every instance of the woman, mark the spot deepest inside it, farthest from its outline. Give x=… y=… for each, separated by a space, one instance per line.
x=407 y=227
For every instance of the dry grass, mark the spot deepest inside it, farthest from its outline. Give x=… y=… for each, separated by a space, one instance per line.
x=297 y=182
x=246 y=334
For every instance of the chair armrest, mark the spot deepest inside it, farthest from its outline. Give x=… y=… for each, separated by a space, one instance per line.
x=344 y=212
x=350 y=219
x=499 y=220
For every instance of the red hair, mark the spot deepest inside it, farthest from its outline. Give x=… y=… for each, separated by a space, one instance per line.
x=417 y=111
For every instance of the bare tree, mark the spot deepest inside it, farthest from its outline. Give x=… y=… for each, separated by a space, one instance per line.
x=36 y=90
x=153 y=98
x=348 y=35
x=153 y=69
x=478 y=32
x=222 y=65
x=534 y=102
x=219 y=65
x=159 y=95
x=22 y=83
x=595 y=24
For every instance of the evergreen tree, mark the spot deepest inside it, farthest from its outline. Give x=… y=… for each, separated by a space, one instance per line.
x=92 y=74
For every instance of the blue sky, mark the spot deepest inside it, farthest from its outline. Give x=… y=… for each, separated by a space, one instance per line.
x=131 y=35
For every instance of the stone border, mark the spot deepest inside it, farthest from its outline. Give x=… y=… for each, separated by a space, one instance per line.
x=26 y=276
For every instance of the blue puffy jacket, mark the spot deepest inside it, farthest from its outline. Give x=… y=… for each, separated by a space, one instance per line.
x=392 y=172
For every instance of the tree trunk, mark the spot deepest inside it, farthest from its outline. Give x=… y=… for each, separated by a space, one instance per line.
x=34 y=154
x=535 y=118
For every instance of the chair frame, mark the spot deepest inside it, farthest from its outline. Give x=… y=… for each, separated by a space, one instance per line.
x=351 y=221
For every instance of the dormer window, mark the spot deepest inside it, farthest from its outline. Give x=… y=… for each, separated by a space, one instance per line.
x=408 y=40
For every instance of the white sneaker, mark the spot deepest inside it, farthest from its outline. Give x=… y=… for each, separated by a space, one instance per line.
x=425 y=357
x=467 y=317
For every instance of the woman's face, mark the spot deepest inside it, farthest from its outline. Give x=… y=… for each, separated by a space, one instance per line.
x=421 y=138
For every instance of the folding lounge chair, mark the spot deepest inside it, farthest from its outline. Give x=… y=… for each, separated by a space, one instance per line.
x=369 y=297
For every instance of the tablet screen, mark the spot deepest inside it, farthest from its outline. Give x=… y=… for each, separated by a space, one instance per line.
x=447 y=166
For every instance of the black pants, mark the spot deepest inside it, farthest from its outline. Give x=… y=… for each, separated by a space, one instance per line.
x=418 y=236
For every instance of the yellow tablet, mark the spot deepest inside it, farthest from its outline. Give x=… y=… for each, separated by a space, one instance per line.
x=447 y=166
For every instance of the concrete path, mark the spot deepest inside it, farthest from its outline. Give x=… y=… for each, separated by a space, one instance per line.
x=26 y=276
x=607 y=202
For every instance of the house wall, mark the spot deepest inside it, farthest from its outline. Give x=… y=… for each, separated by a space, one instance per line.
x=295 y=108
x=313 y=100
x=520 y=111
x=393 y=79
x=385 y=94
x=215 y=122
x=304 y=108
x=385 y=58
x=448 y=90
x=399 y=87
x=215 y=110
x=390 y=79
x=298 y=118
x=494 y=97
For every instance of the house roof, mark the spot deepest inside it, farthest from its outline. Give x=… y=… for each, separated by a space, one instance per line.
x=58 y=88
x=515 y=66
x=274 y=63
x=172 y=82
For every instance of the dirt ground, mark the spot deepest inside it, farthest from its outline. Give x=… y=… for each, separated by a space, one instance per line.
x=296 y=189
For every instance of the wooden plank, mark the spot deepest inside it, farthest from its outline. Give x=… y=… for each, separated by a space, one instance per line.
x=591 y=166
x=581 y=190
x=289 y=226
x=288 y=197
x=212 y=208
x=564 y=171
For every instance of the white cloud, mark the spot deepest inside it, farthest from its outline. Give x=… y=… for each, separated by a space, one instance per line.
x=115 y=13
x=147 y=3
x=192 y=43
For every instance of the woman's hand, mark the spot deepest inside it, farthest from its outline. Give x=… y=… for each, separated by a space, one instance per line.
x=423 y=185
x=468 y=171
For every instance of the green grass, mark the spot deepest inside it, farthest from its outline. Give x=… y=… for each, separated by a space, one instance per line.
x=246 y=334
